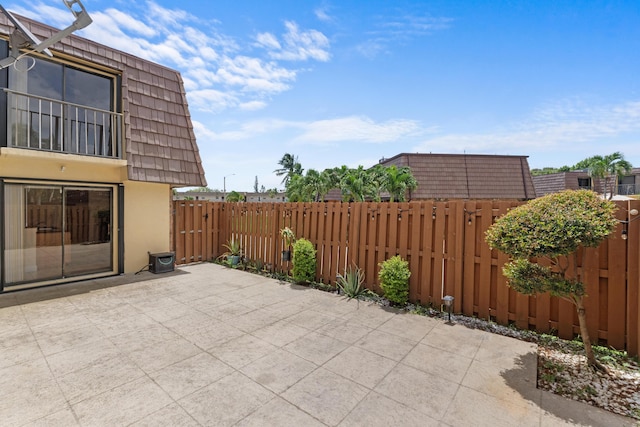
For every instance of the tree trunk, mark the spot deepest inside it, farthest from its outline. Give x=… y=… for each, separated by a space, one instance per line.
x=584 y=332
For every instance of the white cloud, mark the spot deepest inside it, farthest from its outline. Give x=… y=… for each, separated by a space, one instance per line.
x=391 y=29
x=296 y=45
x=566 y=125
x=357 y=129
x=322 y=14
x=218 y=71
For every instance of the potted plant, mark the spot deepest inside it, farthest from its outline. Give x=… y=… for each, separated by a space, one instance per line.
x=234 y=251
x=289 y=237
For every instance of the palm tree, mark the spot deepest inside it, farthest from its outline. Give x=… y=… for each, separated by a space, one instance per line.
x=610 y=168
x=377 y=178
x=290 y=167
x=317 y=184
x=355 y=185
x=398 y=181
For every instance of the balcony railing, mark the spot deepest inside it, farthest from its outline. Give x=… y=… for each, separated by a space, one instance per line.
x=40 y=123
x=627 y=189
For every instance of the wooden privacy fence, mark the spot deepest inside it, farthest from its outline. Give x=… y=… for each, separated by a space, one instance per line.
x=447 y=254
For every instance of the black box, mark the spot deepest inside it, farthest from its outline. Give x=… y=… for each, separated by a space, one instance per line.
x=162 y=262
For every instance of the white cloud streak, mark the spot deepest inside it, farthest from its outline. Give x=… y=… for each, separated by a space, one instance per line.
x=567 y=125
x=219 y=73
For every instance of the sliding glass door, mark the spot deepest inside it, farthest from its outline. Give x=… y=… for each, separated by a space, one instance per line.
x=55 y=231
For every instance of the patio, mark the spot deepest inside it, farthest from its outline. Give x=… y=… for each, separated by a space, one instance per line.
x=208 y=345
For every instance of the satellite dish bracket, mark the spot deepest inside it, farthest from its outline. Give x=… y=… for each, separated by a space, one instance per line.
x=22 y=38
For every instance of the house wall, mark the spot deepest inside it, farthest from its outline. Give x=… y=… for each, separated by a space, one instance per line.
x=146 y=221
x=147 y=212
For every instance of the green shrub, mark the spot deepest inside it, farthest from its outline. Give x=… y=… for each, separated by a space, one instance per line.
x=351 y=283
x=304 y=261
x=394 y=279
x=552 y=227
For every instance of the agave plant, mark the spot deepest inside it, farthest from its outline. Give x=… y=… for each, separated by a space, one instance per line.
x=351 y=284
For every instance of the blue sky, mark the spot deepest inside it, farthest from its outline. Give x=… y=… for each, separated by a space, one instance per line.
x=349 y=82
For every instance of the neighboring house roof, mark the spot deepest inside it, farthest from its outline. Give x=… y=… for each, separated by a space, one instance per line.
x=555 y=182
x=160 y=145
x=467 y=176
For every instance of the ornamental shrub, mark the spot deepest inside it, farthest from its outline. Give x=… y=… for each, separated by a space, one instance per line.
x=552 y=227
x=394 y=279
x=304 y=261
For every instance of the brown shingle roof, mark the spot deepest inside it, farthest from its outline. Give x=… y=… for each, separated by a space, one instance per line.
x=467 y=176
x=160 y=145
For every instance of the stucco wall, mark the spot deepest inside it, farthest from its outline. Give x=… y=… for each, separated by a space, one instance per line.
x=146 y=222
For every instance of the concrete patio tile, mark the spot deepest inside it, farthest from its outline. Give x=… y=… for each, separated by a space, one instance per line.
x=361 y=366
x=501 y=379
x=164 y=314
x=455 y=339
x=190 y=375
x=227 y=311
x=281 y=333
x=81 y=357
x=193 y=320
x=278 y=370
x=387 y=345
x=326 y=396
x=144 y=337
x=285 y=309
x=279 y=412
x=120 y=325
x=18 y=349
x=240 y=351
x=172 y=415
x=344 y=330
x=21 y=401
x=117 y=313
x=213 y=334
x=165 y=353
x=438 y=362
x=371 y=315
x=122 y=405
x=44 y=312
x=489 y=411
x=559 y=411
x=315 y=347
x=154 y=302
x=376 y=410
x=310 y=319
x=63 y=418
x=51 y=343
x=226 y=401
x=418 y=390
x=410 y=326
x=207 y=305
x=97 y=378
x=498 y=348
x=253 y=320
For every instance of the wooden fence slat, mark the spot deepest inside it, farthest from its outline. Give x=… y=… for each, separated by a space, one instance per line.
x=484 y=279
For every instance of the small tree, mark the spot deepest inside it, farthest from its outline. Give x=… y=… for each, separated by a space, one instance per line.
x=553 y=227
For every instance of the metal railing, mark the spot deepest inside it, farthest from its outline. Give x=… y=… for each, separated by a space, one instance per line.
x=40 y=123
x=627 y=189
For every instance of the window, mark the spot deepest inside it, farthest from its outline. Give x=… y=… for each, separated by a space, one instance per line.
x=58 y=107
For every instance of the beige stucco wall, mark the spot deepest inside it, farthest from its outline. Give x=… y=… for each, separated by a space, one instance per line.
x=147 y=205
x=146 y=222
x=20 y=163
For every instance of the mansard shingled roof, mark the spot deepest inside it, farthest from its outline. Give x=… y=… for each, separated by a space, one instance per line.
x=160 y=145
x=467 y=176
